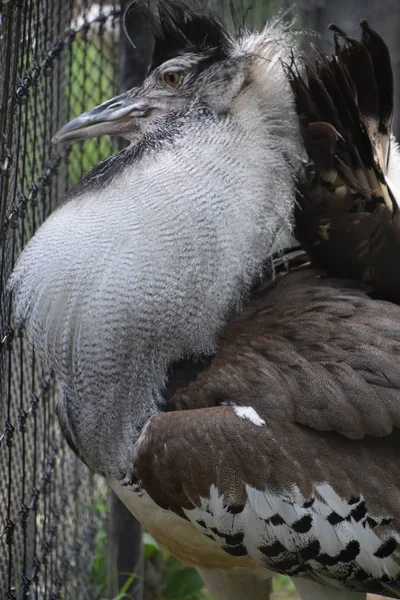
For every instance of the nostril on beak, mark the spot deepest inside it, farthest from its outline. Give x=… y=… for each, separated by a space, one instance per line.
x=115 y=105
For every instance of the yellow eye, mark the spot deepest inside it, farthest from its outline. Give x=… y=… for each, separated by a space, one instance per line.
x=172 y=78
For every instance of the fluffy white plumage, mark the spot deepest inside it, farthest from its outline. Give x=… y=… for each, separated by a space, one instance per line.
x=129 y=276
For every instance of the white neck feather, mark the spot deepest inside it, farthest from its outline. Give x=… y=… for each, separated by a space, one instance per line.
x=123 y=280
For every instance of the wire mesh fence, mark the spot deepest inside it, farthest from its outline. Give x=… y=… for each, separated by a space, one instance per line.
x=56 y=60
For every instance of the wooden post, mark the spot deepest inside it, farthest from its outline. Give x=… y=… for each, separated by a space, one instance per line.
x=125 y=555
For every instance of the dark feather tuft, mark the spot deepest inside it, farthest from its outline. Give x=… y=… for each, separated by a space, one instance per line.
x=180 y=26
x=380 y=57
x=347 y=216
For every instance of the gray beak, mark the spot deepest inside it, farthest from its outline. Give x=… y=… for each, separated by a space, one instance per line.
x=114 y=117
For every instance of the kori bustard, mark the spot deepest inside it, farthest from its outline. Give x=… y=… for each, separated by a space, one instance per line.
x=247 y=414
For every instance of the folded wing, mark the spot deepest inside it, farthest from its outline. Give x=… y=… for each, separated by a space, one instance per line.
x=283 y=449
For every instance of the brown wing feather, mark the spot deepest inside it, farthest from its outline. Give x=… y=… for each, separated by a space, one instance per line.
x=347 y=217
x=326 y=385
x=184 y=455
x=313 y=350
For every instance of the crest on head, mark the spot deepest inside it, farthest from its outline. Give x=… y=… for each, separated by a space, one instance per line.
x=180 y=27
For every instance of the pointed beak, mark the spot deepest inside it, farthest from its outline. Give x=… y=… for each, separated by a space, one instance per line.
x=114 y=117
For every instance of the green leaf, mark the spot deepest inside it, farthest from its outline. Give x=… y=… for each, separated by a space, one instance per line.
x=150 y=545
x=183 y=584
x=100 y=506
x=127 y=584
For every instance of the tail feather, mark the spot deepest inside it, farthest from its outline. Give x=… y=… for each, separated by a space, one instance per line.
x=348 y=204
x=380 y=57
x=393 y=170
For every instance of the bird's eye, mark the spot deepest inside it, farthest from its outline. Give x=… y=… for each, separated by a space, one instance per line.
x=172 y=78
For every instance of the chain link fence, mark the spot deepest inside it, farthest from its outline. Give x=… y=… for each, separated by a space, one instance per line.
x=57 y=59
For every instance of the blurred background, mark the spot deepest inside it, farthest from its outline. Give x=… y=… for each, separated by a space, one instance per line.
x=62 y=535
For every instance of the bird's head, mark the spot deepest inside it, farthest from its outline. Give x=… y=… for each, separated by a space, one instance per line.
x=193 y=59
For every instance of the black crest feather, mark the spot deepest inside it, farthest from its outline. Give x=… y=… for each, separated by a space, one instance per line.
x=347 y=215
x=180 y=26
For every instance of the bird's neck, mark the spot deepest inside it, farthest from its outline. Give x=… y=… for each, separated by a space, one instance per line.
x=127 y=278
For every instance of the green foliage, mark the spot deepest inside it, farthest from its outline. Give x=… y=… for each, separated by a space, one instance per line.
x=283 y=589
x=99 y=562
x=92 y=82
x=181 y=582
x=184 y=583
x=178 y=582
x=123 y=591
x=150 y=546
